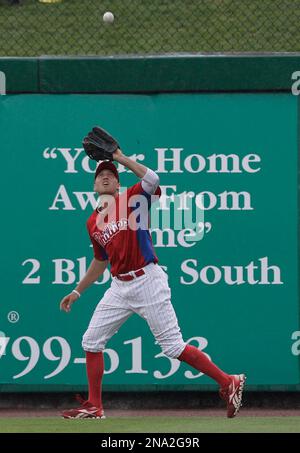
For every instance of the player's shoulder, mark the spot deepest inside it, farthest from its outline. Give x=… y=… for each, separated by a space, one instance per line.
x=136 y=188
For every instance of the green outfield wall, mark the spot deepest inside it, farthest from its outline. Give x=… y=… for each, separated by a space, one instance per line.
x=223 y=135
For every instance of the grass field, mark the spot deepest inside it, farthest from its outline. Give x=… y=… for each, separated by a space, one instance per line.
x=152 y=425
x=75 y=27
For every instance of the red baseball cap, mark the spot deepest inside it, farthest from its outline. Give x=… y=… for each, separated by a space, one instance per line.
x=107 y=165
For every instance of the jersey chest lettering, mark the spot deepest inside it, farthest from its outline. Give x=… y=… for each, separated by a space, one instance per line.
x=104 y=236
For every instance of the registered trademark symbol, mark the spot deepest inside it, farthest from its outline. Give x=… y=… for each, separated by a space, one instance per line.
x=13 y=316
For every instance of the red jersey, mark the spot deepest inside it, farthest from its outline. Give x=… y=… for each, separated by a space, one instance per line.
x=127 y=249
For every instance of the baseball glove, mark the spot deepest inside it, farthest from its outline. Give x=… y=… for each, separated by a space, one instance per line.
x=99 y=145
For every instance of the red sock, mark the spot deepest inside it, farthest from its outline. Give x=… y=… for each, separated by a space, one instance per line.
x=201 y=362
x=94 y=369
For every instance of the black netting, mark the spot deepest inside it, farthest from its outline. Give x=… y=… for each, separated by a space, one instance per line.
x=76 y=27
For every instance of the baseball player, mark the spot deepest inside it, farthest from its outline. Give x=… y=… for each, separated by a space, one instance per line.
x=139 y=285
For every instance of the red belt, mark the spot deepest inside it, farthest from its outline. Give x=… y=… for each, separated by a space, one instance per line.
x=128 y=277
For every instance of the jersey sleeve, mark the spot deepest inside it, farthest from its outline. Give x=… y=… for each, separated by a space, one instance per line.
x=138 y=189
x=150 y=181
x=148 y=186
x=99 y=252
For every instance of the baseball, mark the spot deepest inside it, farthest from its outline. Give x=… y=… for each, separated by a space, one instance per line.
x=108 y=17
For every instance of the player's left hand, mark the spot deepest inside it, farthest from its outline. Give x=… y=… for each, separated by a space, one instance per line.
x=67 y=302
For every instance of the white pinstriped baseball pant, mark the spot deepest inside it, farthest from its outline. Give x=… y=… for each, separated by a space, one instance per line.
x=149 y=297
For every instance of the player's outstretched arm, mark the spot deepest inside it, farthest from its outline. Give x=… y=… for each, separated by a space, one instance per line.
x=138 y=169
x=94 y=271
x=150 y=180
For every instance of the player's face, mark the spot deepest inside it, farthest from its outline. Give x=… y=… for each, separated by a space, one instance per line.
x=106 y=183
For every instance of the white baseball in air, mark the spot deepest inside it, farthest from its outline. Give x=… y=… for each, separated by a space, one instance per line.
x=108 y=17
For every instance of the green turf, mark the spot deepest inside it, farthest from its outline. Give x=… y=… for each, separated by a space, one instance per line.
x=75 y=27
x=153 y=425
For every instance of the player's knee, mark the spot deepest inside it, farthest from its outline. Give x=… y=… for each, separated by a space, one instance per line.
x=173 y=351
x=89 y=343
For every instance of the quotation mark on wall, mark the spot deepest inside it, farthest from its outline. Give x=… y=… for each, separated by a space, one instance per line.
x=50 y=153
